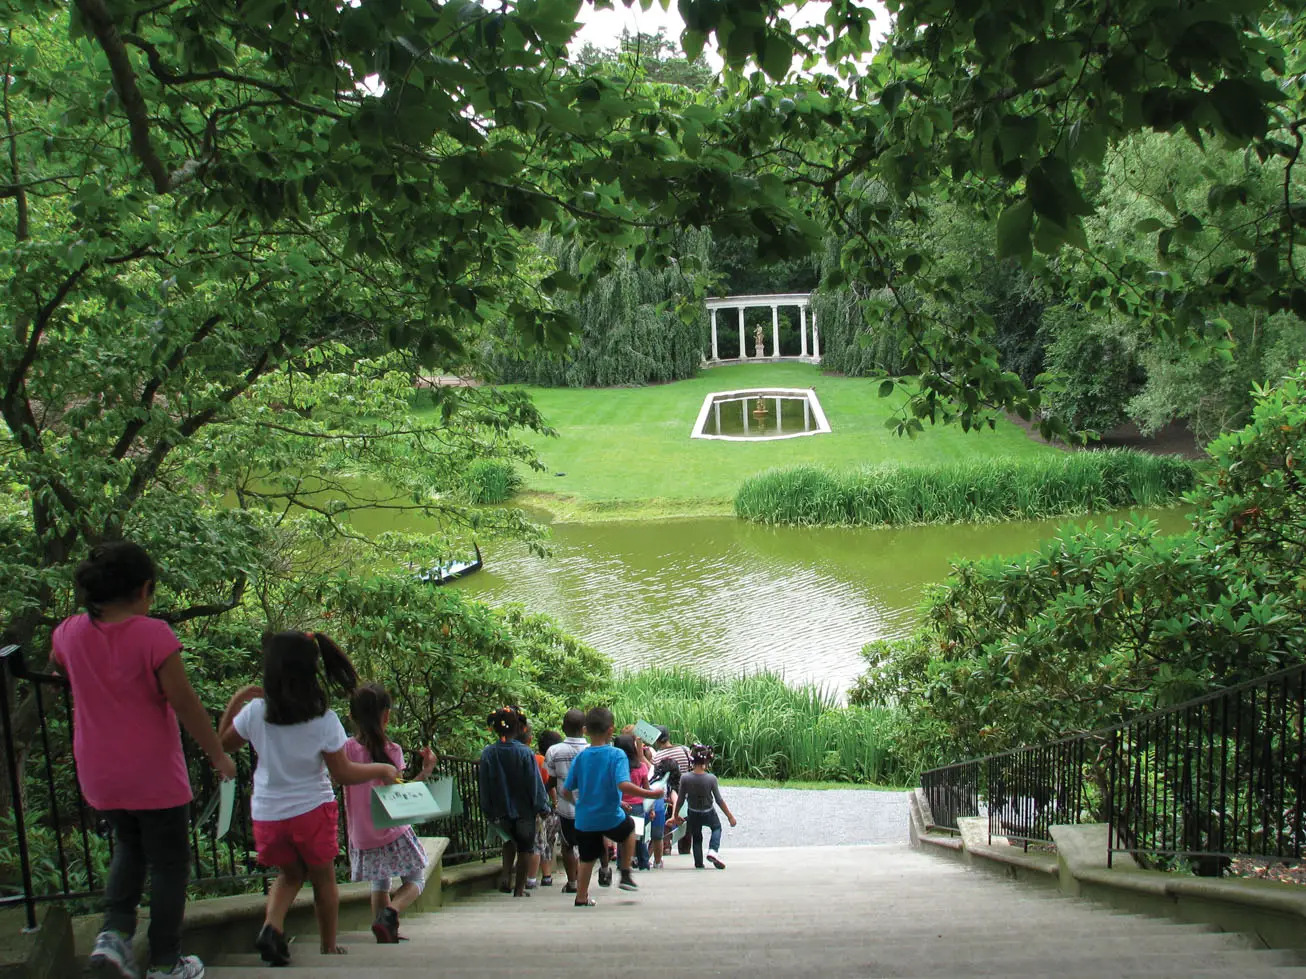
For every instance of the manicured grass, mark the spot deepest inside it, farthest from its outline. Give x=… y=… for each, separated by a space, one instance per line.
x=627 y=451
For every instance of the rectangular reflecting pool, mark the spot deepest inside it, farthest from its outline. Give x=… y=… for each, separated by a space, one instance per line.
x=772 y=413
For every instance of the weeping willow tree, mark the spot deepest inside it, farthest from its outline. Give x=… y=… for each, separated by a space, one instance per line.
x=638 y=325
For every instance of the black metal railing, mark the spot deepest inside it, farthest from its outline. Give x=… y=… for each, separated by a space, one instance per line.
x=468 y=830
x=952 y=791
x=61 y=849
x=1218 y=777
x=1206 y=781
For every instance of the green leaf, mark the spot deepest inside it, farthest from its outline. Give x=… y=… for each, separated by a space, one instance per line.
x=1014 y=226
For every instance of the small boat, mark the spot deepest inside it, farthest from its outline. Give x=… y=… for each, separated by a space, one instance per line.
x=442 y=574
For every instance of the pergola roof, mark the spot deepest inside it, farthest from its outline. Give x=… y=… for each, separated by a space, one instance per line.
x=771 y=299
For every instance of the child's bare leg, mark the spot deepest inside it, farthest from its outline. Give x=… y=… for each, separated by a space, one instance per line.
x=380 y=901
x=626 y=854
x=657 y=850
x=603 y=854
x=326 y=904
x=282 y=894
x=406 y=895
x=585 y=872
x=533 y=865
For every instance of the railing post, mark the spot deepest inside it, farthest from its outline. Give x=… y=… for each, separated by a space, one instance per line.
x=16 y=786
x=1109 y=796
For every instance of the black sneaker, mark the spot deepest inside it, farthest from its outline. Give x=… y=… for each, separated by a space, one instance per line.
x=386 y=927
x=605 y=876
x=628 y=881
x=272 y=946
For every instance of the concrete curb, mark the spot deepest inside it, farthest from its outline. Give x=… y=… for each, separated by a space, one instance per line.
x=214 y=926
x=1272 y=913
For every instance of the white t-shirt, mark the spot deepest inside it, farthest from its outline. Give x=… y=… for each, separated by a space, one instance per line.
x=291 y=778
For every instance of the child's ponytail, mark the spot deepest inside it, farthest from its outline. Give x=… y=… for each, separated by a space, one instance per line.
x=295 y=664
x=367 y=705
x=339 y=672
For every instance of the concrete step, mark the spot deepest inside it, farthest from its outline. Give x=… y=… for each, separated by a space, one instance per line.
x=831 y=912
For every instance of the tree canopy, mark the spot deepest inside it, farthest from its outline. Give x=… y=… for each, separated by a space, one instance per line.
x=207 y=210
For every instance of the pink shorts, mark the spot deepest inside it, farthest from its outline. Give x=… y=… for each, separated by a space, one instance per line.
x=311 y=838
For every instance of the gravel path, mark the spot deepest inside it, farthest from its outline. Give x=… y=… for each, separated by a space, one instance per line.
x=814 y=817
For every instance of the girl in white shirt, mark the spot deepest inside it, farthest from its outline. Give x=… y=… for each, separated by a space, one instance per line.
x=300 y=744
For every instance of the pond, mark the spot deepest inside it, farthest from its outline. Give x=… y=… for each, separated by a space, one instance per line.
x=723 y=595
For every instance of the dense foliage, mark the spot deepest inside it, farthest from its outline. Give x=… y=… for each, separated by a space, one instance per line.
x=763 y=727
x=967 y=492
x=1100 y=624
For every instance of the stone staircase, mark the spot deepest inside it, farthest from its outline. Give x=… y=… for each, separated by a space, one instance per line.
x=863 y=911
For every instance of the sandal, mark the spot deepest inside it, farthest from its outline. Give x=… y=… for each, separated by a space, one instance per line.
x=546 y=881
x=587 y=903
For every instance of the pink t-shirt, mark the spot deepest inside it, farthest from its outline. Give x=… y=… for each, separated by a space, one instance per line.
x=125 y=735
x=358 y=800
x=638 y=775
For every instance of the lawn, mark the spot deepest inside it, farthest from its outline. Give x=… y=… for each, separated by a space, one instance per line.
x=627 y=452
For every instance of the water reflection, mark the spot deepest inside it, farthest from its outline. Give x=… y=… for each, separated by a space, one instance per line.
x=758 y=417
x=724 y=595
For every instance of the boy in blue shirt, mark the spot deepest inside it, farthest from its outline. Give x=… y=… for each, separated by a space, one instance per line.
x=598 y=777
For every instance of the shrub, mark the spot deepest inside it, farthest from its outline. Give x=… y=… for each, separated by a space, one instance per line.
x=491 y=480
x=992 y=489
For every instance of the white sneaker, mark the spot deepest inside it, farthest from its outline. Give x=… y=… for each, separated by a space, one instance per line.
x=187 y=967
x=715 y=860
x=112 y=957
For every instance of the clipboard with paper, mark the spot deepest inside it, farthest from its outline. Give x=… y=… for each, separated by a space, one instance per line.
x=647 y=732
x=406 y=803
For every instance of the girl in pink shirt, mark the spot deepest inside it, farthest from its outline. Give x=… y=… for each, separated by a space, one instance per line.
x=129 y=691
x=380 y=855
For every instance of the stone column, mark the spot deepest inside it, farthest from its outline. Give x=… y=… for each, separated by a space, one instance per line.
x=743 y=410
x=807 y=415
x=775 y=332
x=717 y=406
x=715 y=354
x=743 y=350
x=779 y=420
x=816 y=341
x=802 y=328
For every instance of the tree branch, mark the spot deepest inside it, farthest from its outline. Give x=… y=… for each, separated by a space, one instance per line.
x=203 y=611
x=101 y=23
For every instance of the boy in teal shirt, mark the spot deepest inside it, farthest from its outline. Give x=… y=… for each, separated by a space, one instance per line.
x=598 y=777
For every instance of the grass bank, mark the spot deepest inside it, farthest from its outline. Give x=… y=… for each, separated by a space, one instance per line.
x=624 y=453
x=969 y=492
x=766 y=730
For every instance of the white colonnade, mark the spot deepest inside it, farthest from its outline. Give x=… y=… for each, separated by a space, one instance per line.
x=806 y=315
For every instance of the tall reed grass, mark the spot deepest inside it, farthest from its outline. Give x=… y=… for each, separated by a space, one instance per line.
x=763 y=728
x=969 y=492
x=490 y=481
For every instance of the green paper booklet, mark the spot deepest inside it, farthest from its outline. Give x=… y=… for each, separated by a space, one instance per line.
x=406 y=803
x=646 y=732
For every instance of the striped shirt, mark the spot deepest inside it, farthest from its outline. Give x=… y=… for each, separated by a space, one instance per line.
x=558 y=763
x=677 y=753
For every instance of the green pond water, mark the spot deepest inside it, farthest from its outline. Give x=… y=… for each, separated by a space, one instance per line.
x=726 y=596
